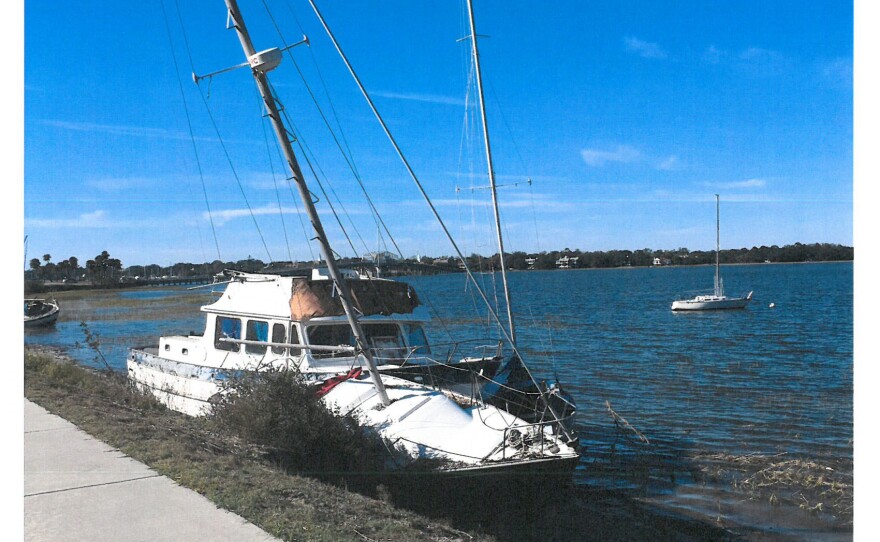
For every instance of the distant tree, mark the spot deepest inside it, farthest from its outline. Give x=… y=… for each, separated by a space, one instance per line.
x=47 y=257
x=35 y=266
x=103 y=269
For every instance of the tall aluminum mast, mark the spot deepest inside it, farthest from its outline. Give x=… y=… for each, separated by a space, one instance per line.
x=719 y=289
x=491 y=171
x=261 y=63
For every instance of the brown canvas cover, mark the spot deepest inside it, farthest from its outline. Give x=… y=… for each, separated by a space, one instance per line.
x=315 y=298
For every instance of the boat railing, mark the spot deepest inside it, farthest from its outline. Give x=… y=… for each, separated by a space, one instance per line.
x=314 y=347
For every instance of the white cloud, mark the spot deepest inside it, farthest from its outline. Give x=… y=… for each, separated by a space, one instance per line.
x=713 y=55
x=668 y=164
x=622 y=153
x=224 y=216
x=643 y=48
x=418 y=97
x=86 y=220
x=838 y=71
x=734 y=185
x=115 y=184
x=113 y=129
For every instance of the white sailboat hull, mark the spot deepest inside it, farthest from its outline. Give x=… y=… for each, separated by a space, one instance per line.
x=711 y=302
x=423 y=422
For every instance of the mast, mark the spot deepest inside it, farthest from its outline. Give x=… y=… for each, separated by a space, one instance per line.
x=719 y=291
x=261 y=63
x=491 y=170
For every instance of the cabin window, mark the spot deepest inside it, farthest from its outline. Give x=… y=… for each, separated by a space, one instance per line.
x=331 y=335
x=294 y=339
x=227 y=328
x=384 y=339
x=257 y=330
x=278 y=336
x=415 y=338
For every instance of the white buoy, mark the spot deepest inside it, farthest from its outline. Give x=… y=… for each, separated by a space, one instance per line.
x=772 y=305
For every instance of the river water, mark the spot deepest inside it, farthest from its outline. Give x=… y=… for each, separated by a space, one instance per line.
x=766 y=381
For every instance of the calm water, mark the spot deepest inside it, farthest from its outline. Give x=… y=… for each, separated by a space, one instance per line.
x=762 y=380
x=758 y=380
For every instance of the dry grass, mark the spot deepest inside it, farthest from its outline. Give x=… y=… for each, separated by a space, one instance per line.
x=239 y=476
x=819 y=488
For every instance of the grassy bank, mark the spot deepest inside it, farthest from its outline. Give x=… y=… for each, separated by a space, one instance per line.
x=240 y=477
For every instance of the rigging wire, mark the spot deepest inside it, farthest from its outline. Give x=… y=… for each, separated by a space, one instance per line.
x=188 y=120
x=376 y=215
x=275 y=185
x=312 y=164
x=521 y=161
x=223 y=146
x=299 y=213
x=422 y=191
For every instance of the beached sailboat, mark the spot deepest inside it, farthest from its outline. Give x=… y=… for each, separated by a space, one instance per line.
x=359 y=339
x=40 y=312
x=717 y=300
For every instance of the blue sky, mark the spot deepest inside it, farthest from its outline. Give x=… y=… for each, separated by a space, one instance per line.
x=627 y=116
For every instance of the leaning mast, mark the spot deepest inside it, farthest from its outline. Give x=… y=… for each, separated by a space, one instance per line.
x=261 y=63
x=492 y=186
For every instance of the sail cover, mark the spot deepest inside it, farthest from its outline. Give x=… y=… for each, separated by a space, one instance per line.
x=315 y=298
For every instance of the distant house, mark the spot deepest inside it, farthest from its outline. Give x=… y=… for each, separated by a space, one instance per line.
x=531 y=262
x=381 y=257
x=664 y=261
x=567 y=262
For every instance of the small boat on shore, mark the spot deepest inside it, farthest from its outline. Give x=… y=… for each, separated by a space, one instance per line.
x=40 y=312
x=717 y=300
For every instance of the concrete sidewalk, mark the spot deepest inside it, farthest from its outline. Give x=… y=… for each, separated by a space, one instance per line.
x=78 y=488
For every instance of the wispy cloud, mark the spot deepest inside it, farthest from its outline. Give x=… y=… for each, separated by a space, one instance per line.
x=95 y=219
x=757 y=53
x=540 y=202
x=669 y=163
x=223 y=216
x=420 y=97
x=764 y=62
x=115 y=129
x=734 y=185
x=622 y=153
x=838 y=71
x=117 y=184
x=644 y=49
x=713 y=55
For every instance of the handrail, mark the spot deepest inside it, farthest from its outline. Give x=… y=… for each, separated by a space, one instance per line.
x=319 y=347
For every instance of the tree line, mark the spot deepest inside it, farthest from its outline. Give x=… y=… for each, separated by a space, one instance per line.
x=105 y=270
x=798 y=252
x=101 y=268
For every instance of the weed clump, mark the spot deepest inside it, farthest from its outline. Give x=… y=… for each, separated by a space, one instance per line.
x=277 y=410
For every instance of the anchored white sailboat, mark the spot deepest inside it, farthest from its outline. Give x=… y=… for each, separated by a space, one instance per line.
x=717 y=300
x=360 y=341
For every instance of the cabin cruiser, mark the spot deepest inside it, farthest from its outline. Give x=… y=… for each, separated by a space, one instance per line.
x=264 y=321
x=296 y=322
x=362 y=343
